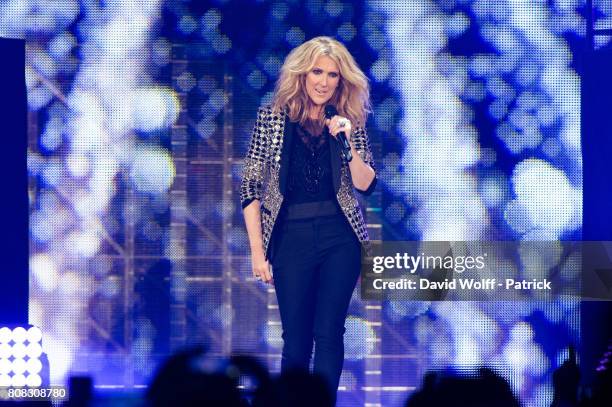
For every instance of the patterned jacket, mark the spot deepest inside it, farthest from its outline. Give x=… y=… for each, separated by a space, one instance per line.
x=266 y=166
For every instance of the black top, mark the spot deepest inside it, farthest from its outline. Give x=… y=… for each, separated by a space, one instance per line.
x=310 y=173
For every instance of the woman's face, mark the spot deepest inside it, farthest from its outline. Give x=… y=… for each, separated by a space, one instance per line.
x=322 y=80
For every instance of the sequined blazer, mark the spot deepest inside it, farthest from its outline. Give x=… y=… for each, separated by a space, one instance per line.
x=266 y=166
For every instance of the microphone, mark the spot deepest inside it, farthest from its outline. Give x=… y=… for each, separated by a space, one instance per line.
x=331 y=111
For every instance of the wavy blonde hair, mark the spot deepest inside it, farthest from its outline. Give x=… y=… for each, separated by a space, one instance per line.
x=351 y=97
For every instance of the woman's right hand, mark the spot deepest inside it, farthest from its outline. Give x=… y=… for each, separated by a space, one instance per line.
x=261 y=269
x=259 y=264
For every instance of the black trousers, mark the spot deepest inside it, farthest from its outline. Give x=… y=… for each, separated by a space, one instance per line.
x=316 y=263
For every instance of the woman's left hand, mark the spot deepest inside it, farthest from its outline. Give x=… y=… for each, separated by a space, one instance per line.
x=339 y=124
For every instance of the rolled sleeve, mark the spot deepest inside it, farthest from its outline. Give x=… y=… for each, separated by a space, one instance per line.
x=362 y=145
x=255 y=163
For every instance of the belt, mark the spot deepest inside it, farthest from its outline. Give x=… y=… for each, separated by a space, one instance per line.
x=311 y=210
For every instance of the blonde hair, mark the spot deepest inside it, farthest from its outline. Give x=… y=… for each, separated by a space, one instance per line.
x=351 y=97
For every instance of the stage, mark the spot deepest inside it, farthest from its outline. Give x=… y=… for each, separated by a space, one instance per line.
x=126 y=240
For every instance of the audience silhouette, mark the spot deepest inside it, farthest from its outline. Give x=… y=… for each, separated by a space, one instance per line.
x=192 y=378
x=450 y=389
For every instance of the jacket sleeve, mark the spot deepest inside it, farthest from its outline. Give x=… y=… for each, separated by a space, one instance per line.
x=362 y=145
x=255 y=162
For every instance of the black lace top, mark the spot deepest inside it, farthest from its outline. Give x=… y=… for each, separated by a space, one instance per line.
x=310 y=175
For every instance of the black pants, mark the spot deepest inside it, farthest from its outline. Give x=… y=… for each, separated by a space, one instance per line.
x=316 y=264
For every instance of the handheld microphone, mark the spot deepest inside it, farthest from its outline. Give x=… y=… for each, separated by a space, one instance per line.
x=331 y=111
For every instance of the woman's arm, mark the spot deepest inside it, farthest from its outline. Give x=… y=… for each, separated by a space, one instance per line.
x=362 y=174
x=252 y=219
x=251 y=188
x=361 y=166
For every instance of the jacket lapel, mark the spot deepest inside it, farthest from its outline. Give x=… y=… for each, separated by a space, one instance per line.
x=336 y=163
x=286 y=155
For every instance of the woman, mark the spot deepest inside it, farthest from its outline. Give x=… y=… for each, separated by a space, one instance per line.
x=307 y=223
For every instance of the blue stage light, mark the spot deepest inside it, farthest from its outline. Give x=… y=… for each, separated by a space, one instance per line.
x=347 y=32
x=211 y=20
x=295 y=36
x=359 y=339
x=280 y=10
x=380 y=70
x=187 y=24
x=221 y=43
x=334 y=8
x=257 y=79
x=457 y=24
x=273 y=335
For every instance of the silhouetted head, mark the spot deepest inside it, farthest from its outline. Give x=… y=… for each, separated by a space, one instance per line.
x=296 y=388
x=450 y=389
x=186 y=379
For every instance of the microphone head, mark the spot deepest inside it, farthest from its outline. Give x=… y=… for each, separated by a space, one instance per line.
x=330 y=111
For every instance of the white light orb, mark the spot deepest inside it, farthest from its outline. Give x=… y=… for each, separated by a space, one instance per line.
x=19 y=350
x=18 y=380
x=34 y=334
x=5 y=366
x=522 y=332
x=154 y=108
x=34 y=350
x=5 y=380
x=19 y=335
x=272 y=335
x=6 y=351
x=34 y=366
x=44 y=269
x=152 y=170
x=33 y=380
x=19 y=366
x=5 y=335
x=359 y=338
